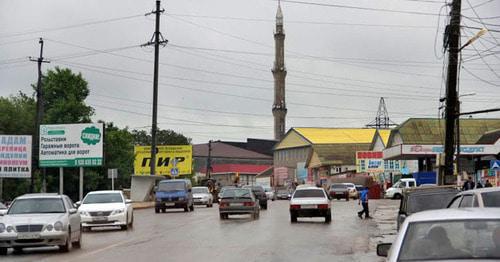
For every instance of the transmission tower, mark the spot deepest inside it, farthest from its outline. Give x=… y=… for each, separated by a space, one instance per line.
x=382 y=120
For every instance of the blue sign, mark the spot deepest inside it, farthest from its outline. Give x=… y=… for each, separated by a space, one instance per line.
x=495 y=164
x=174 y=171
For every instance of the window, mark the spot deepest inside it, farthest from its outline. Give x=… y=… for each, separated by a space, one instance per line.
x=491 y=199
x=466 y=201
x=455 y=202
x=411 y=183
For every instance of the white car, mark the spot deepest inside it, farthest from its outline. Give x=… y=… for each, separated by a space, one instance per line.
x=36 y=220
x=270 y=194
x=469 y=234
x=106 y=208
x=310 y=202
x=396 y=191
x=353 y=193
x=201 y=196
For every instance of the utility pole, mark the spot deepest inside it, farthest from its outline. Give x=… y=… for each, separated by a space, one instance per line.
x=209 y=160
x=451 y=113
x=156 y=40
x=39 y=116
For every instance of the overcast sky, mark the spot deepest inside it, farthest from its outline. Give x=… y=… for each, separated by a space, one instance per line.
x=216 y=80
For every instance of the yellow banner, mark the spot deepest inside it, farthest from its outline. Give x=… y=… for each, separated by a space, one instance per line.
x=170 y=160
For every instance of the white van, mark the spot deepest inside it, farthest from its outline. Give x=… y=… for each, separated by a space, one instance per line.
x=396 y=191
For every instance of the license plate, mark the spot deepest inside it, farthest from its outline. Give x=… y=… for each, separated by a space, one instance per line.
x=308 y=206
x=28 y=236
x=169 y=204
x=99 y=219
x=236 y=204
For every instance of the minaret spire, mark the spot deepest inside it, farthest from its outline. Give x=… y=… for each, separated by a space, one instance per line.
x=279 y=74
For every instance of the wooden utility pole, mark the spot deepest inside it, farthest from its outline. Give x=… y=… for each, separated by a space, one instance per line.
x=39 y=117
x=156 y=40
x=451 y=112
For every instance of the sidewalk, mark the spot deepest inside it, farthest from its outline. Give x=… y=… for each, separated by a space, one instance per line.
x=143 y=205
x=385 y=212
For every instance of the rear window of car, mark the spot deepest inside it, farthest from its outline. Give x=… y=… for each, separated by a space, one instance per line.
x=491 y=199
x=236 y=193
x=417 y=203
x=338 y=186
x=309 y=193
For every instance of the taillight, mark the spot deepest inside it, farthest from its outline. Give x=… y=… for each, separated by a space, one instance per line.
x=323 y=206
x=294 y=206
x=249 y=204
x=223 y=204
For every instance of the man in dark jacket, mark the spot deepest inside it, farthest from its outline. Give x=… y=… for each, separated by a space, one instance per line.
x=469 y=184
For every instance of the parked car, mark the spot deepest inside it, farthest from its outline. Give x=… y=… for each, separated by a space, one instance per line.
x=283 y=194
x=396 y=191
x=176 y=193
x=469 y=234
x=271 y=195
x=424 y=198
x=260 y=194
x=201 y=196
x=2 y=206
x=106 y=208
x=310 y=202
x=237 y=201
x=339 y=190
x=484 y=197
x=353 y=192
x=36 y=220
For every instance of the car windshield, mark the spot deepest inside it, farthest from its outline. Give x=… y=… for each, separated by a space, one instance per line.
x=350 y=186
x=338 y=186
x=268 y=189
x=255 y=188
x=171 y=186
x=452 y=239
x=282 y=191
x=437 y=200
x=200 y=190
x=491 y=199
x=236 y=193
x=308 y=193
x=37 y=206
x=102 y=198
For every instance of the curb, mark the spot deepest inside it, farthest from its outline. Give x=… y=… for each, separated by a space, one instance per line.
x=143 y=205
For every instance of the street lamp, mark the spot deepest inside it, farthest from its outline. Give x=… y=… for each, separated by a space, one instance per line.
x=474 y=38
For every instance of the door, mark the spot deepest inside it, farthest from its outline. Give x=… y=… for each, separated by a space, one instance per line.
x=74 y=219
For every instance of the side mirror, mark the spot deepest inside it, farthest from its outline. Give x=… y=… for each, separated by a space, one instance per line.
x=383 y=249
x=3 y=212
x=128 y=201
x=77 y=204
x=155 y=189
x=72 y=211
x=189 y=190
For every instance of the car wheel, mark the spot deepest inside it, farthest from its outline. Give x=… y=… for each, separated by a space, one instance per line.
x=191 y=208
x=78 y=243
x=157 y=210
x=85 y=229
x=132 y=220
x=328 y=217
x=264 y=206
x=163 y=210
x=3 y=251
x=347 y=198
x=293 y=218
x=124 y=227
x=396 y=196
x=186 y=208
x=222 y=216
x=18 y=249
x=66 y=247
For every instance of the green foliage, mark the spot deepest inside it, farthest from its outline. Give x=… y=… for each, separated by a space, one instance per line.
x=164 y=137
x=17 y=115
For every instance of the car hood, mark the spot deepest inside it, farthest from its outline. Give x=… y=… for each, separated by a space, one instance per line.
x=23 y=219
x=101 y=207
x=201 y=195
x=309 y=200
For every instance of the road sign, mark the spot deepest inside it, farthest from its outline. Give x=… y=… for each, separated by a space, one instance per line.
x=112 y=173
x=495 y=164
x=174 y=171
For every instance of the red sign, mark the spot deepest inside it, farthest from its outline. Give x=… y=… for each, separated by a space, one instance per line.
x=369 y=154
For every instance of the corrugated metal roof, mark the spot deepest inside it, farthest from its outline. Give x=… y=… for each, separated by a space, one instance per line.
x=336 y=154
x=223 y=150
x=337 y=135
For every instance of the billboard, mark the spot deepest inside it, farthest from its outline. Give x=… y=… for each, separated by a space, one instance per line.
x=15 y=156
x=169 y=160
x=373 y=162
x=72 y=145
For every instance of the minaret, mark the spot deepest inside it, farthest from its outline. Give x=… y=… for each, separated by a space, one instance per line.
x=279 y=74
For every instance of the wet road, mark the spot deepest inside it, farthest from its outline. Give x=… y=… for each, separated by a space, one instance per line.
x=201 y=236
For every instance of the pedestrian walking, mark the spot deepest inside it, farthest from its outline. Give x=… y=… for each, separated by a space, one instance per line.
x=488 y=184
x=363 y=199
x=468 y=185
x=479 y=185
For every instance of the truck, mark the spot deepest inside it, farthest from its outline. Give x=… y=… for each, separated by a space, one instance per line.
x=396 y=191
x=175 y=193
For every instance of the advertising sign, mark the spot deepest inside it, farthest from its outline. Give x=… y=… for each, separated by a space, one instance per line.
x=170 y=160
x=72 y=145
x=373 y=162
x=15 y=156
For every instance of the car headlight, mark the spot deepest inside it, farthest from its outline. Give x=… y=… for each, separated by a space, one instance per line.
x=49 y=227
x=10 y=229
x=58 y=226
x=84 y=213
x=117 y=211
x=2 y=227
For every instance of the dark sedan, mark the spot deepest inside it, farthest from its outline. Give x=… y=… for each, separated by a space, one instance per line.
x=260 y=194
x=238 y=201
x=339 y=191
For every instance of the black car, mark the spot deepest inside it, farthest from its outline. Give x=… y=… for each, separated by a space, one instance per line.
x=260 y=194
x=338 y=191
x=424 y=198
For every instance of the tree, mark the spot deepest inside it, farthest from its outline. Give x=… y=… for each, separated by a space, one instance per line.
x=164 y=137
x=64 y=97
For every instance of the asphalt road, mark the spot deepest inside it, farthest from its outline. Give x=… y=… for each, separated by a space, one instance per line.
x=201 y=236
